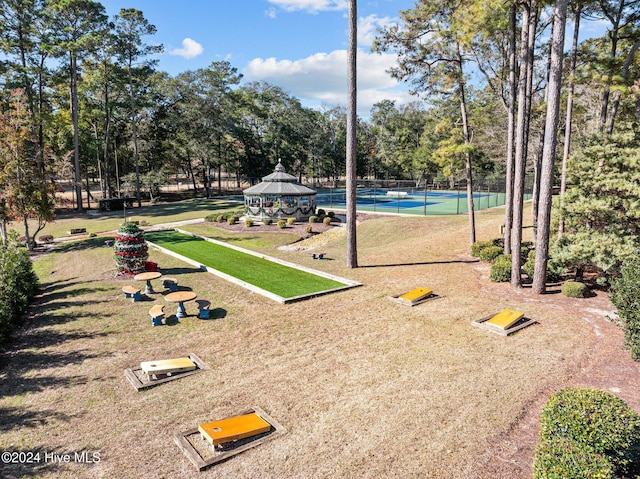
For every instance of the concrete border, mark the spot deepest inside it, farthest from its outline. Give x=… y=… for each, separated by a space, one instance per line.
x=347 y=282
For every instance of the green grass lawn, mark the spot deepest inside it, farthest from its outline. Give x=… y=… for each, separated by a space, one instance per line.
x=270 y=276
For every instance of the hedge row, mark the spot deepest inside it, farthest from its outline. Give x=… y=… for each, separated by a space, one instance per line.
x=18 y=286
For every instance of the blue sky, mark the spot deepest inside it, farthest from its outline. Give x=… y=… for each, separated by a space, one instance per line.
x=299 y=45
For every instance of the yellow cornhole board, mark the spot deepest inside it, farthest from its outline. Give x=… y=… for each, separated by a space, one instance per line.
x=505 y=318
x=152 y=373
x=505 y=322
x=167 y=366
x=252 y=421
x=233 y=428
x=415 y=296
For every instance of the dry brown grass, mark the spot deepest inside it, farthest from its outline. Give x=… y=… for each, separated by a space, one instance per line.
x=366 y=387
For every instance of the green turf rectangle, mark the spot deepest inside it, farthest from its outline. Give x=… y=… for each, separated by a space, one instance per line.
x=270 y=276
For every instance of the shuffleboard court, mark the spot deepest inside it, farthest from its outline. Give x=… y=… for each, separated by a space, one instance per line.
x=279 y=280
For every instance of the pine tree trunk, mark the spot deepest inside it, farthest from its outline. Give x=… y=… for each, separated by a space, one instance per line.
x=568 y=120
x=508 y=215
x=352 y=118
x=520 y=148
x=549 y=152
x=76 y=131
x=467 y=154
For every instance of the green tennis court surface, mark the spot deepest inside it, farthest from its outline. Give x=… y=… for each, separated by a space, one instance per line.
x=267 y=274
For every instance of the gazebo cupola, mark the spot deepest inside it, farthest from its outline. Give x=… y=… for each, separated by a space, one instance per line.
x=279 y=196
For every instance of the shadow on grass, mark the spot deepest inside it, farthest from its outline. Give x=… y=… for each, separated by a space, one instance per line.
x=81 y=245
x=217 y=313
x=42 y=319
x=48 y=297
x=177 y=271
x=13 y=417
x=182 y=207
x=420 y=263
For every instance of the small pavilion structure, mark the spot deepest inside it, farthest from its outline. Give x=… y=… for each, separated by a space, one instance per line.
x=279 y=196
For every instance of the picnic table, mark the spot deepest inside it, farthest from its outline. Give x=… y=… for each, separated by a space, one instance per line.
x=148 y=276
x=180 y=297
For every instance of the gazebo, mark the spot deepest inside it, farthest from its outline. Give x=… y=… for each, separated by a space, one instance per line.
x=279 y=196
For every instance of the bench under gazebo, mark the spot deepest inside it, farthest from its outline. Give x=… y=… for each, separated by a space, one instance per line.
x=279 y=196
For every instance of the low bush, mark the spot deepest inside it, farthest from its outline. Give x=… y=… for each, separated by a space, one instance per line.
x=282 y=224
x=501 y=269
x=267 y=221
x=18 y=286
x=575 y=289
x=586 y=430
x=330 y=214
x=321 y=212
x=221 y=218
x=490 y=253
x=248 y=222
x=291 y=221
x=529 y=265
x=478 y=246
x=327 y=220
x=232 y=220
x=308 y=229
x=313 y=219
x=625 y=294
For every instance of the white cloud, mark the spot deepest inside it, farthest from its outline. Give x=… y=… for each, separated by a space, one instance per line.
x=368 y=26
x=190 y=49
x=322 y=78
x=310 y=6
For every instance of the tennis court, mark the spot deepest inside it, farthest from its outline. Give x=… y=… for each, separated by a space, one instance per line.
x=410 y=201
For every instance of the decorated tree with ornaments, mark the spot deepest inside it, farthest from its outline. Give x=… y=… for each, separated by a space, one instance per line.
x=131 y=251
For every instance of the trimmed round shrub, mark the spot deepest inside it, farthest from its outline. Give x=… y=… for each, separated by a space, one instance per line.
x=267 y=221
x=327 y=220
x=330 y=214
x=232 y=220
x=626 y=291
x=313 y=219
x=575 y=289
x=321 y=212
x=248 y=222
x=501 y=269
x=561 y=458
x=291 y=221
x=221 y=218
x=308 y=229
x=282 y=224
x=478 y=246
x=490 y=253
x=577 y=426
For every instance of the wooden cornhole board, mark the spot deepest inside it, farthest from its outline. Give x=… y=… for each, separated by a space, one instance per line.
x=233 y=428
x=415 y=296
x=164 y=367
x=197 y=446
x=505 y=322
x=152 y=373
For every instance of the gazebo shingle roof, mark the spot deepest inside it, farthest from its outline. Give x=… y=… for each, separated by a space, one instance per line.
x=279 y=183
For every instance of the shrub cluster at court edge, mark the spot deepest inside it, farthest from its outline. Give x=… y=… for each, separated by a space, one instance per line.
x=492 y=252
x=18 y=286
x=585 y=434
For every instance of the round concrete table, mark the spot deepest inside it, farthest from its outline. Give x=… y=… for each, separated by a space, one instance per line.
x=180 y=297
x=148 y=276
